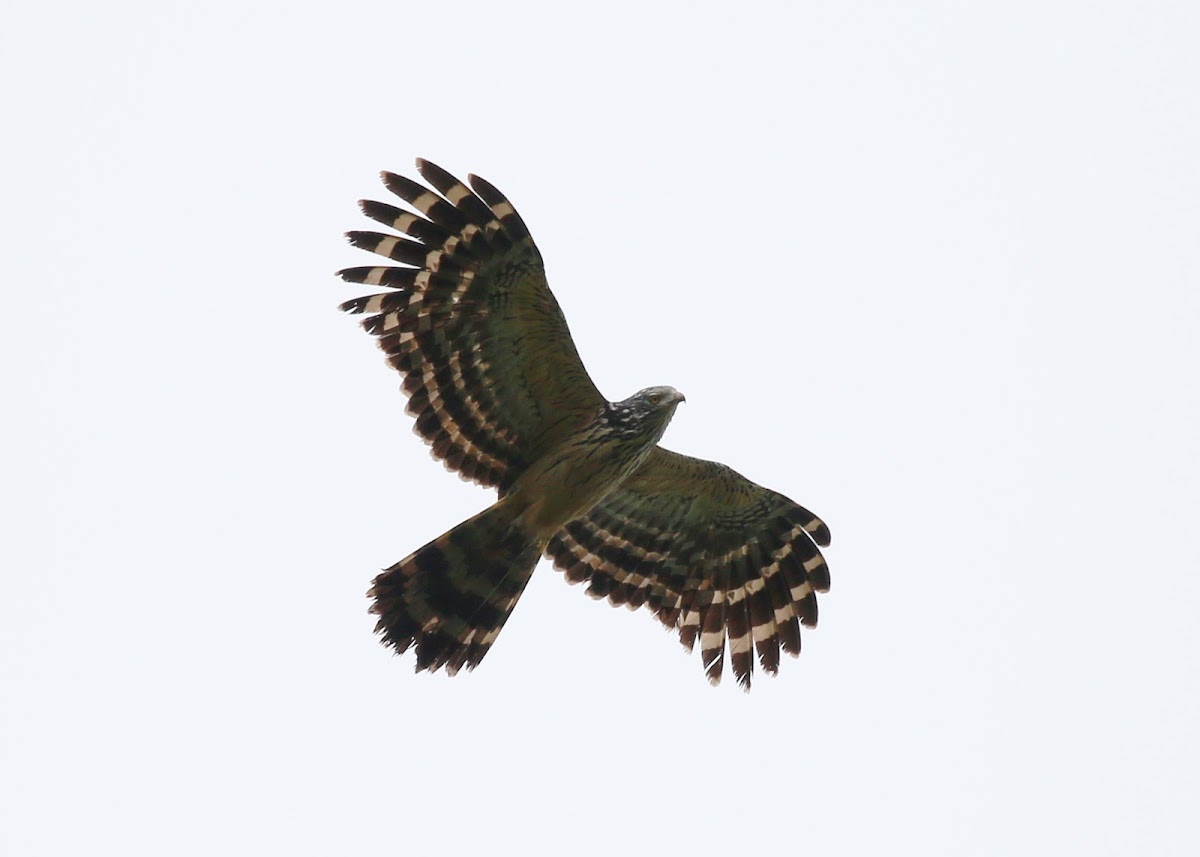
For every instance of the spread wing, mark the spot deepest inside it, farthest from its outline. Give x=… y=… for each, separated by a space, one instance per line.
x=493 y=377
x=711 y=553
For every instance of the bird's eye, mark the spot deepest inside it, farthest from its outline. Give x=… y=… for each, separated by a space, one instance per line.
x=655 y=398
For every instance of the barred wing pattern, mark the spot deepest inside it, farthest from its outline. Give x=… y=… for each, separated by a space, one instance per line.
x=493 y=377
x=711 y=553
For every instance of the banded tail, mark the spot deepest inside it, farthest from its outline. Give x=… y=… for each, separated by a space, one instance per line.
x=450 y=599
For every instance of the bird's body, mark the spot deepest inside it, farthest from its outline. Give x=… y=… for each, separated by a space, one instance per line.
x=501 y=395
x=570 y=479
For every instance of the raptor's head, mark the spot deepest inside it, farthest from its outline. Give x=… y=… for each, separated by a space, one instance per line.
x=646 y=413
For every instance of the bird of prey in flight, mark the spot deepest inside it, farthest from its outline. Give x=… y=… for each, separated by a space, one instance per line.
x=500 y=394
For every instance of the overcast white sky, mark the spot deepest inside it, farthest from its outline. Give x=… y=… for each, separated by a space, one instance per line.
x=928 y=268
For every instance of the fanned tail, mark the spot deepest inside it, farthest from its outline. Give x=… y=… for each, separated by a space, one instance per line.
x=450 y=599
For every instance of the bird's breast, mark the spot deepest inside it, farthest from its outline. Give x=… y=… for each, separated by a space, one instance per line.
x=568 y=481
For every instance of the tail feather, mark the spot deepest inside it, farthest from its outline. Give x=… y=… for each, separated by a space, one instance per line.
x=449 y=599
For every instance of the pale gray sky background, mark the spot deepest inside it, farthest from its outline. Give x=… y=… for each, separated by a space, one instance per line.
x=928 y=268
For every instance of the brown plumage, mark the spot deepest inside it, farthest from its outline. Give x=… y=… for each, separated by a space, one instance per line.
x=500 y=394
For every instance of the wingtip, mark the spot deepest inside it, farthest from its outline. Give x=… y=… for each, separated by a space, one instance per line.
x=430 y=171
